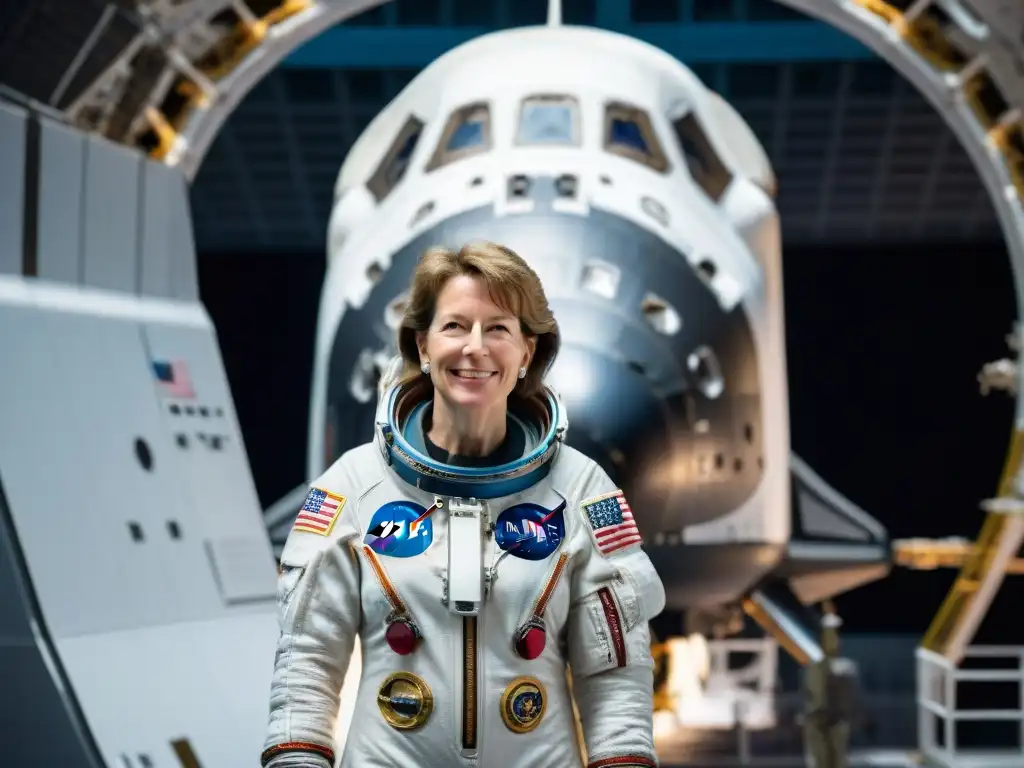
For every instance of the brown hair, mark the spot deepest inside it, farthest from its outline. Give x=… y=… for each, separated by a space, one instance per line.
x=512 y=285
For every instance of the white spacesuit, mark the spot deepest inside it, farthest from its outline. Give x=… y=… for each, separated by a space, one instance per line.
x=470 y=588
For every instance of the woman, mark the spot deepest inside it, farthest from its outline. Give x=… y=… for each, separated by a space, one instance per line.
x=474 y=555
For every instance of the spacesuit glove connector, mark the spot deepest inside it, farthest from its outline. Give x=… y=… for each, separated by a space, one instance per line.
x=623 y=761
x=298 y=759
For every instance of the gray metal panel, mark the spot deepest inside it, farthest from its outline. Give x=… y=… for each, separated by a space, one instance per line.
x=155 y=255
x=91 y=485
x=184 y=280
x=209 y=455
x=111 y=216
x=12 y=187
x=61 y=172
x=817 y=519
x=243 y=570
x=821 y=512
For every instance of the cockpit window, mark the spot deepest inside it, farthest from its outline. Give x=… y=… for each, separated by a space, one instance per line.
x=396 y=162
x=628 y=132
x=706 y=167
x=548 y=120
x=467 y=133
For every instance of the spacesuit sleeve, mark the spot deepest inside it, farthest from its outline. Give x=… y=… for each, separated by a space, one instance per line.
x=615 y=592
x=319 y=615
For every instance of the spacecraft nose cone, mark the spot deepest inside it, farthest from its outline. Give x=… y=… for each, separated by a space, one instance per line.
x=615 y=416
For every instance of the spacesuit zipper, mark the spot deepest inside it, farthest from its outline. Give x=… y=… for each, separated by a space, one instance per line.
x=469 y=681
x=549 y=588
x=390 y=593
x=614 y=620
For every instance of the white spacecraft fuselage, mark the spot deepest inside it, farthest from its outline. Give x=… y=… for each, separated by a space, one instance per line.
x=666 y=282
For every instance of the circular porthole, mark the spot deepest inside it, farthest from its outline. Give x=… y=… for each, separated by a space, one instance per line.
x=518 y=186
x=706 y=269
x=706 y=372
x=566 y=185
x=395 y=311
x=424 y=210
x=661 y=315
x=655 y=210
x=365 y=375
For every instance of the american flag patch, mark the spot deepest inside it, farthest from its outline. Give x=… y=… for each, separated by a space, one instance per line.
x=320 y=512
x=612 y=522
x=173 y=379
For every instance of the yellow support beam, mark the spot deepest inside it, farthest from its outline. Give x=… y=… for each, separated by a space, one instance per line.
x=774 y=630
x=983 y=570
x=218 y=62
x=164 y=132
x=923 y=30
x=880 y=8
x=286 y=10
x=930 y=554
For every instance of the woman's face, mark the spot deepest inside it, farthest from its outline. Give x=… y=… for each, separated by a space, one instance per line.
x=475 y=348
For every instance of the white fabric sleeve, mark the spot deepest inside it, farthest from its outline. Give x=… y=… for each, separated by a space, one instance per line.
x=613 y=596
x=319 y=616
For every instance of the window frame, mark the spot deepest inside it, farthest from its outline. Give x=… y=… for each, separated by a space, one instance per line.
x=714 y=176
x=442 y=156
x=576 y=139
x=656 y=159
x=379 y=184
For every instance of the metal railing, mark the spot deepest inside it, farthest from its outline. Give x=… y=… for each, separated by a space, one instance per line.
x=940 y=687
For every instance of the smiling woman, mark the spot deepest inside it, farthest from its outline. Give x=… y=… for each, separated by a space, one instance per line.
x=532 y=538
x=478 y=324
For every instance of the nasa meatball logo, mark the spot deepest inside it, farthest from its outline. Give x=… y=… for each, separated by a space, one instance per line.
x=400 y=529
x=529 y=531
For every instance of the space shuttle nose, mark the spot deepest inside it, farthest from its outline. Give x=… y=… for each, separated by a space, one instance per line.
x=615 y=416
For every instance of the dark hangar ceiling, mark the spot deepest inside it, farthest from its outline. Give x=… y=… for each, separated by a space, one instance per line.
x=861 y=158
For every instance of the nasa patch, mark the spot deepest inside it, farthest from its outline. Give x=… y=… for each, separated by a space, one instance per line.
x=529 y=531
x=522 y=704
x=400 y=529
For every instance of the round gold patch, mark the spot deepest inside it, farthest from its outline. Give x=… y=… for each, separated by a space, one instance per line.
x=522 y=704
x=405 y=701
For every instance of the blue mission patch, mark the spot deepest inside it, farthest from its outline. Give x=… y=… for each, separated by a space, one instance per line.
x=529 y=531
x=400 y=529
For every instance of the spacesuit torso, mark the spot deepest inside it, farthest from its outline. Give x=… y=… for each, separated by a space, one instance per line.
x=471 y=589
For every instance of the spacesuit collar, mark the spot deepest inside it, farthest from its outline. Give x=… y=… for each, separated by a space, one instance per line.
x=544 y=423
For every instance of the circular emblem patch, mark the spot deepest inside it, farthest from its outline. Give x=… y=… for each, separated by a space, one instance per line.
x=529 y=531
x=405 y=701
x=522 y=704
x=400 y=529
